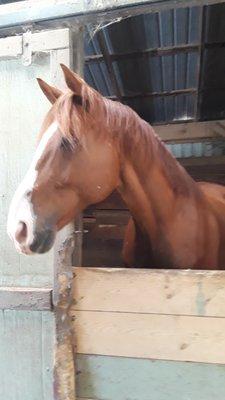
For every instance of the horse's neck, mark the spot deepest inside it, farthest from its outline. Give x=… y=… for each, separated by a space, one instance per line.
x=152 y=181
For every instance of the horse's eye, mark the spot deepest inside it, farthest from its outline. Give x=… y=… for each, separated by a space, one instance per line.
x=65 y=144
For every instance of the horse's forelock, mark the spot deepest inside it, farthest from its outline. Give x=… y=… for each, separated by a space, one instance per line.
x=74 y=113
x=71 y=111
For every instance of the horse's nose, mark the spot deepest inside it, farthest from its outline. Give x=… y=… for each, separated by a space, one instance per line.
x=43 y=241
x=21 y=232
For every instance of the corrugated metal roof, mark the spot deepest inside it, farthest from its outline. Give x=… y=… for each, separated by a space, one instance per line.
x=168 y=66
x=139 y=74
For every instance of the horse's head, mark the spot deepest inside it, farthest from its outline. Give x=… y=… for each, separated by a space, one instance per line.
x=75 y=165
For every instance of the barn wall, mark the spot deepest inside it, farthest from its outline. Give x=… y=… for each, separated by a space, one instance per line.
x=26 y=355
x=167 y=343
x=28 y=339
x=22 y=111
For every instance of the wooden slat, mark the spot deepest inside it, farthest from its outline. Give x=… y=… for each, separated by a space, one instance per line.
x=19 y=298
x=191 y=131
x=26 y=355
x=202 y=161
x=165 y=337
x=51 y=40
x=64 y=367
x=11 y=47
x=15 y=157
x=23 y=12
x=115 y=378
x=197 y=293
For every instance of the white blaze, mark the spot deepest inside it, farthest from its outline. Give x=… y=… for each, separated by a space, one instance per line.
x=21 y=208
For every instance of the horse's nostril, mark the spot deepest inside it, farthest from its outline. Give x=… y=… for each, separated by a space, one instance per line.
x=43 y=241
x=21 y=232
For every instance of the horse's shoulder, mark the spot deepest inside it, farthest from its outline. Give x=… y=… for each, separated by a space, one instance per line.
x=214 y=193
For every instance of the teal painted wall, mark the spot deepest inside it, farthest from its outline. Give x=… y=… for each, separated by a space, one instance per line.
x=22 y=109
x=26 y=355
x=116 y=378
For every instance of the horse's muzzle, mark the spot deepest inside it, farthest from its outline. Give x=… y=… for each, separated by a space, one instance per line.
x=43 y=241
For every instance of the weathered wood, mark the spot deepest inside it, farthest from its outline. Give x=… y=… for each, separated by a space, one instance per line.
x=155 y=336
x=20 y=298
x=67 y=242
x=202 y=161
x=51 y=40
x=23 y=12
x=64 y=383
x=26 y=355
x=115 y=378
x=182 y=308
x=191 y=131
x=11 y=47
x=18 y=141
x=175 y=292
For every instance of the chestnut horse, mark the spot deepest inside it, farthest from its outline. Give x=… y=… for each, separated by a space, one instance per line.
x=88 y=147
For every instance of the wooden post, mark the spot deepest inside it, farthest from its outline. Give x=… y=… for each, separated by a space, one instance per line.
x=69 y=242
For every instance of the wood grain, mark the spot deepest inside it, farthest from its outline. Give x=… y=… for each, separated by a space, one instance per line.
x=26 y=355
x=19 y=298
x=178 y=292
x=191 y=131
x=161 y=337
x=115 y=378
x=11 y=47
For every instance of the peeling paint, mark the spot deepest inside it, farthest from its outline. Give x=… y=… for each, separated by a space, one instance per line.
x=200 y=300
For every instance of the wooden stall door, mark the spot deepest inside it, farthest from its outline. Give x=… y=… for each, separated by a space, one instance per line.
x=27 y=323
x=149 y=334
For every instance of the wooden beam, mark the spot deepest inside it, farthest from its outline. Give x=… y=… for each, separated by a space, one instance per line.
x=26 y=13
x=156 y=52
x=108 y=62
x=11 y=47
x=67 y=240
x=21 y=298
x=118 y=290
x=201 y=161
x=192 y=131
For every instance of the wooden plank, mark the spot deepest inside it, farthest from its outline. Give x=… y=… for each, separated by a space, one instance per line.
x=64 y=370
x=202 y=161
x=165 y=337
x=23 y=12
x=184 y=292
x=50 y=40
x=15 y=157
x=191 y=131
x=26 y=355
x=11 y=47
x=66 y=242
x=25 y=298
x=115 y=378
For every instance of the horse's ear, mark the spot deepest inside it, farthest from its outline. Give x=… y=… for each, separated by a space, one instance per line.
x=50 y=92
x=73 y=80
